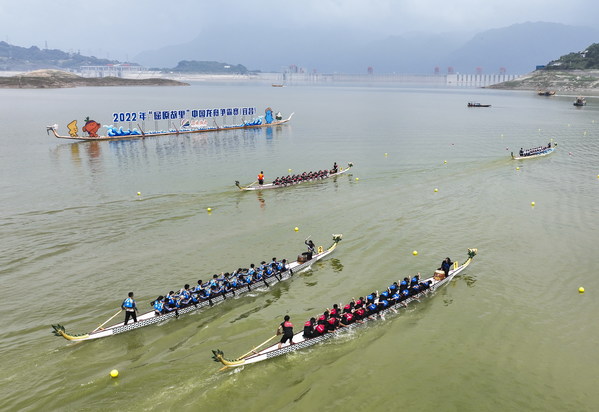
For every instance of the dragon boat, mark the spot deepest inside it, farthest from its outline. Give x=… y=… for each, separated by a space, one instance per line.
x=546 y=151
x=138 y=133
x=256 y=186
x=476 y=104
x=299 y=342
x=150 y=318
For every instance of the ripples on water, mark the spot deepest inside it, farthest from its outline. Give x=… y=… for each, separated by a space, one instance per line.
x=513 y=329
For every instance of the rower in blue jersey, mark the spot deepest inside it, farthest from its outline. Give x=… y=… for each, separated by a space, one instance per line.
x=414 y=280
x=371 y=309
x=383 y=304
x=185 y=295
x=404 y=294
x=403 y=284
x=170 y=301
x=159 y=306
x=198 y=287
x=130 y=308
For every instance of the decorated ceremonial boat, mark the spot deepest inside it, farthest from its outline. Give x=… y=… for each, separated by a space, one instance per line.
x=476 y=104
x=189 y=122
x=256 y=186
x=299 y=342
x=546 y=93
x=150 y=318
x=546 y=151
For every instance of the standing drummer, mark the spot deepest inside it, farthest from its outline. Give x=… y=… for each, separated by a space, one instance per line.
x=286 y=329
x=261 y=177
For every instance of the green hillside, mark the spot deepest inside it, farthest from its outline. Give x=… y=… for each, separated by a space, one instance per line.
x=587 y=59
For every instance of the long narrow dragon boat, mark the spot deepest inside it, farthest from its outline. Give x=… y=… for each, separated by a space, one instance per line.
x=544 y=152
x=139 y=133
x=150 y=318
x=256 y=186
x=299 y=342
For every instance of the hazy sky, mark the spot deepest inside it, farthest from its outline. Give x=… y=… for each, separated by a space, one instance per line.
x=120 y=28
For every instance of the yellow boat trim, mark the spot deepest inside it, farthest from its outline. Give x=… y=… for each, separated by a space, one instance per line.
x=71 y=337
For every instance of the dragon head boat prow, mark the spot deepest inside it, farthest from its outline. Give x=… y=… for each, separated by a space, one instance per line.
x=472 y=253
x=217 y=356
x=59 y=330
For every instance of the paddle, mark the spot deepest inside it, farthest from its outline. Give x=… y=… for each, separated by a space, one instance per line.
x=253 y=350
x=112 y=317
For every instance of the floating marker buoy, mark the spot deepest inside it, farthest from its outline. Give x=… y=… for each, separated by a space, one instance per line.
x=445 y=161
x=114 y=373
x=518 y=168
x=581 y=290
x=289 y=170
x=532 y=203
x=415 y=252
x=436 y=190
x=296 y=229
x=597 y=176
x=385 y=154
x=357 y=178
x=208 y=209
x=138 y=193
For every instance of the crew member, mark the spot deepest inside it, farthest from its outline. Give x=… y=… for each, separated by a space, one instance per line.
x=159 y=306
x=261 y=178
x=335 y=168
x=286 y=329
x=309 y=328
x=446 y=265
x=130 y=308
x=311 y=246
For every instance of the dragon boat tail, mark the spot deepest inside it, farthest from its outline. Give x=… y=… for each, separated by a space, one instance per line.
x=150 y=318
x=299 y=342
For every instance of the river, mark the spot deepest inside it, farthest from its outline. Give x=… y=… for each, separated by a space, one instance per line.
x=511 y=333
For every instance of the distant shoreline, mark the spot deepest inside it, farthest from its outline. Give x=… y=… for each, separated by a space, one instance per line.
x=56 y=79
x=575 y=82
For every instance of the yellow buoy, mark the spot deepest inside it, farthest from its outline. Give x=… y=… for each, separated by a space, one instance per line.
x=581 y=290
x=436 y=190
x=357 y=178
x=289 y=170
x=415 y=252
x=114 y=373
x=138 y=193
x=296 y=229
x=518 y=168
x=209 y=209
x=385 y=154
x=445 y=161
x=532 y=203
